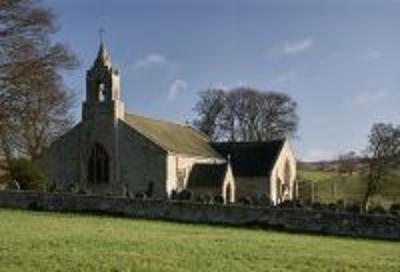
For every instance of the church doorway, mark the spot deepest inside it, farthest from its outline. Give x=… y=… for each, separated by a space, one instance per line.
x=228 y=194
x=99 y=165
x=286 y=181
x=284 y=186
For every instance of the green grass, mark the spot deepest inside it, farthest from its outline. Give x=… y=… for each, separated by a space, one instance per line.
x=37 y=241
x=315 y=175
x=350 y=188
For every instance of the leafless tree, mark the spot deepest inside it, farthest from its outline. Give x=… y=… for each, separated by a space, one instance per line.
x=34 y=101
x=383 y=156
x=246 y=114
x=209 y=109
x=347 y=163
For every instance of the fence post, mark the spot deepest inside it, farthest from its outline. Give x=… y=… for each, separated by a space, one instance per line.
x=334 y=191
x=312 y=192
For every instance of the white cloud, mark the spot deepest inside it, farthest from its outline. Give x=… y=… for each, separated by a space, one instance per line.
x=368 y=98
x=176 y=87
x=297 y=46
x=318 y=154
x=150 y=60
x=371 y=55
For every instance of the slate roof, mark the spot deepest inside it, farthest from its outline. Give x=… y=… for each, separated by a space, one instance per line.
x=251 y=159
x=172 y=137
x=207 y=175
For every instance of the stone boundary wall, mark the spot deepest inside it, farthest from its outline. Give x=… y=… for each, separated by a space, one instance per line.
x=292 y=220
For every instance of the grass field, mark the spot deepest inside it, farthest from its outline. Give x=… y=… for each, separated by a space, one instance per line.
x=38 y=241
x=329 y=187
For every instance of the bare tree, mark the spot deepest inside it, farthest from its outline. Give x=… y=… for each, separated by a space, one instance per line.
x=209 y=108
x=34 y=101
x=23 y=25
x=246 y=114
x=383 y=155
x=45 y=115
x=347 y=163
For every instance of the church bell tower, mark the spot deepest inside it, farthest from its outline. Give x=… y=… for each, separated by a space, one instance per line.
x=103 y=89
x=102 y=111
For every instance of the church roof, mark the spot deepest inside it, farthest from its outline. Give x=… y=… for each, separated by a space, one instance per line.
x=207 y=175
x=251 y=159
x=173 y=137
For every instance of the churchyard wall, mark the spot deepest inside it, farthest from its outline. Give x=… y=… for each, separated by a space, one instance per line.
x=287 y=219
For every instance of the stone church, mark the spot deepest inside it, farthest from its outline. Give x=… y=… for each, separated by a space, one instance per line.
x=113 y=152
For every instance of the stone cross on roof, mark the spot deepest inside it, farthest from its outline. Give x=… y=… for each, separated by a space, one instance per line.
x=101 y=33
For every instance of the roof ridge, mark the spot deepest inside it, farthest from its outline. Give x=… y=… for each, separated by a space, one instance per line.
x=250 y=142
x=158 y=120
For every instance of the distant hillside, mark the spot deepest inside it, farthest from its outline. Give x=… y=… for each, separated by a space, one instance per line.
x=332 y=165
x=323 y=182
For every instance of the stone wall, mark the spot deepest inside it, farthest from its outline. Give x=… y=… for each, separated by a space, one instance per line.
x=60 y=163
x=294 y=220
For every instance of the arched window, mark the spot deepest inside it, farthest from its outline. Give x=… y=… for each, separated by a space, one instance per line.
x=285 y=185
x=99 y=165
x=279 y=190
x=287 y=173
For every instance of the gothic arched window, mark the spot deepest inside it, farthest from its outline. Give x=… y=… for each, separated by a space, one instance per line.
x=99 y=165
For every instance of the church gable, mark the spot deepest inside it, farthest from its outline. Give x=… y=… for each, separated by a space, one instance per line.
x=142 y=163
x=283 y=176
x=214 y=179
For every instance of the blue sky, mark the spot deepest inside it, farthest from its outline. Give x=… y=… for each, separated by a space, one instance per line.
x=340 y=60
